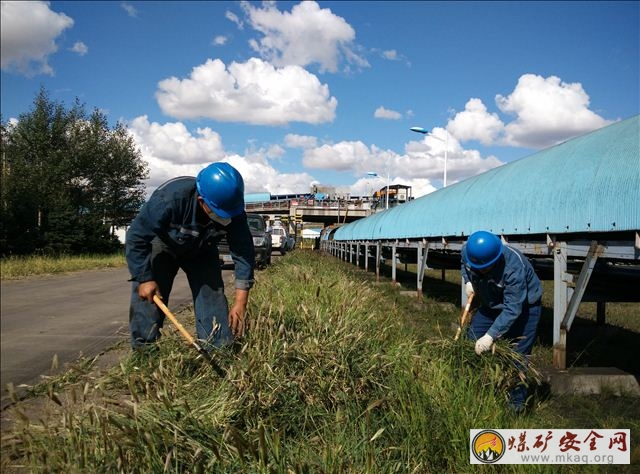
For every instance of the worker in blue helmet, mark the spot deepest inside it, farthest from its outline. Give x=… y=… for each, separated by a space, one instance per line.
x=178 y=228
x=509 y=295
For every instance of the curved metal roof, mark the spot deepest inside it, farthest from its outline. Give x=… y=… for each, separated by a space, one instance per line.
x=588 y=184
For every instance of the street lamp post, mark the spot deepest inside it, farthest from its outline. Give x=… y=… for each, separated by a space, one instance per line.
x=424 y=131
x=387 y=193
x=370 y=174
x=376 y=175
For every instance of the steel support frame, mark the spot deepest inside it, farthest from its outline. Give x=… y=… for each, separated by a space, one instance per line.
x=567 y=295
x=378 y=258
x=366 y=256
x=394 y=246
x=423 y=252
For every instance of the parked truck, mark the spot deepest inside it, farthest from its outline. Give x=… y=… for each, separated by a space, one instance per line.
x=261 y=242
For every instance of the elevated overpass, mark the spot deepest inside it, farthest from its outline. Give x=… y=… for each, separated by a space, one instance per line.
x=303 y=208
x=299 y=208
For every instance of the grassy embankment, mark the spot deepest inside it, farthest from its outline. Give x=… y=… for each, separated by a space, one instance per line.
x=15 y=268
x=337 y=374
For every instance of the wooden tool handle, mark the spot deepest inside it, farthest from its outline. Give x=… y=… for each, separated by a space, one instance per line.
x=174 y=320
x=219 y=370
x=465 y=315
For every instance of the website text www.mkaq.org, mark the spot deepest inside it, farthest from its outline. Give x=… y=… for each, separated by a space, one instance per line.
x=567 y=458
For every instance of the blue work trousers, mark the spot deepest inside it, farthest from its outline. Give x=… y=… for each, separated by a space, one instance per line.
x=522 y=334
x=207 y=289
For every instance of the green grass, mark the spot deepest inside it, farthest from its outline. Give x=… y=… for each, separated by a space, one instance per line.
x=588 y=344
x=338 y=374
x=14 y=268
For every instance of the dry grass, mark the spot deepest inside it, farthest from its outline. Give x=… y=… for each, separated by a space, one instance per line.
x=14 y=268
x=338 y=374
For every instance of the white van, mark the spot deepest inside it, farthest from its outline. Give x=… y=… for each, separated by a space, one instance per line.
x=280 y=239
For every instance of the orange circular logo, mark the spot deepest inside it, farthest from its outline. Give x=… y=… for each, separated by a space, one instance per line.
x=488 y=446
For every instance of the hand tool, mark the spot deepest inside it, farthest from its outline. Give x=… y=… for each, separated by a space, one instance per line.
x=464 y=317
x=207 y=356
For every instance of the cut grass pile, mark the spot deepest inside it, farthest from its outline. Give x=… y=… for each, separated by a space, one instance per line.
x=337 y=374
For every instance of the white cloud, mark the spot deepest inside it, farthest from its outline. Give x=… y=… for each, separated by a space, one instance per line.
x=28 y=33
x=426 y=159
x=174 y=143
x=383 y=113
x=342 y=156
x=390 y=54
x=420 y=166
x=234 y=19
x=260 y=176
x=253 y=92
x=220 y=40
x=245 y=92
x=171 y=150
x=476 y=123
x=275 y=151
x=300 y=141
x=80 y=48
x=547 y=111
x=306 y=35
x=419 y=187
x=266 y=179
x=130 y=9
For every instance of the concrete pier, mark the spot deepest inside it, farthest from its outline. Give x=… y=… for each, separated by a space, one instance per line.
x=591 y=381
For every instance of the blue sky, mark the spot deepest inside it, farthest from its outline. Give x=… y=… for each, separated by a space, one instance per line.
x=295 y=94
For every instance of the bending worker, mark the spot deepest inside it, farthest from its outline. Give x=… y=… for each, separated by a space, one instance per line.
x=509 y=293
x=178 y=227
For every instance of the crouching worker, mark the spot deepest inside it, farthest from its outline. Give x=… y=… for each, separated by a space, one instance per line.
x=178 y=228
x=509 y=294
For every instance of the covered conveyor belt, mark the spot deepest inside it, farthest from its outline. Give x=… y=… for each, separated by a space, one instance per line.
x=574 y=209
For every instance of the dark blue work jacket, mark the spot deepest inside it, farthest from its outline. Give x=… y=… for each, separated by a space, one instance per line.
x=170 y=215
x=505 y=289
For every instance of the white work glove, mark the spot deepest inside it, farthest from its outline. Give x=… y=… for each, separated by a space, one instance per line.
x=468 y=287
x=483 y=344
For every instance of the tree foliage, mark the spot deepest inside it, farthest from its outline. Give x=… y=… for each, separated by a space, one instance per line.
x=67 y=179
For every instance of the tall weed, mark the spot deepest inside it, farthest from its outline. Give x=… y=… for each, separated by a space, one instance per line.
x=329 y=379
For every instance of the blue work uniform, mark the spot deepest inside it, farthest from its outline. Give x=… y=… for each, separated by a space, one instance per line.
x=510 y=295
x=170 y=232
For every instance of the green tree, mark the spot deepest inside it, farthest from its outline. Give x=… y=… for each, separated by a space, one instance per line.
x=33 y=151
x=108 y=170
x=67 y=178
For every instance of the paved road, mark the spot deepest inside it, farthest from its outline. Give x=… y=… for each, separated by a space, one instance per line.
x=72 y=315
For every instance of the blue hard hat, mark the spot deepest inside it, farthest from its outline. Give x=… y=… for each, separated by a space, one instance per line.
x=483 y=249
x=222 y=188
